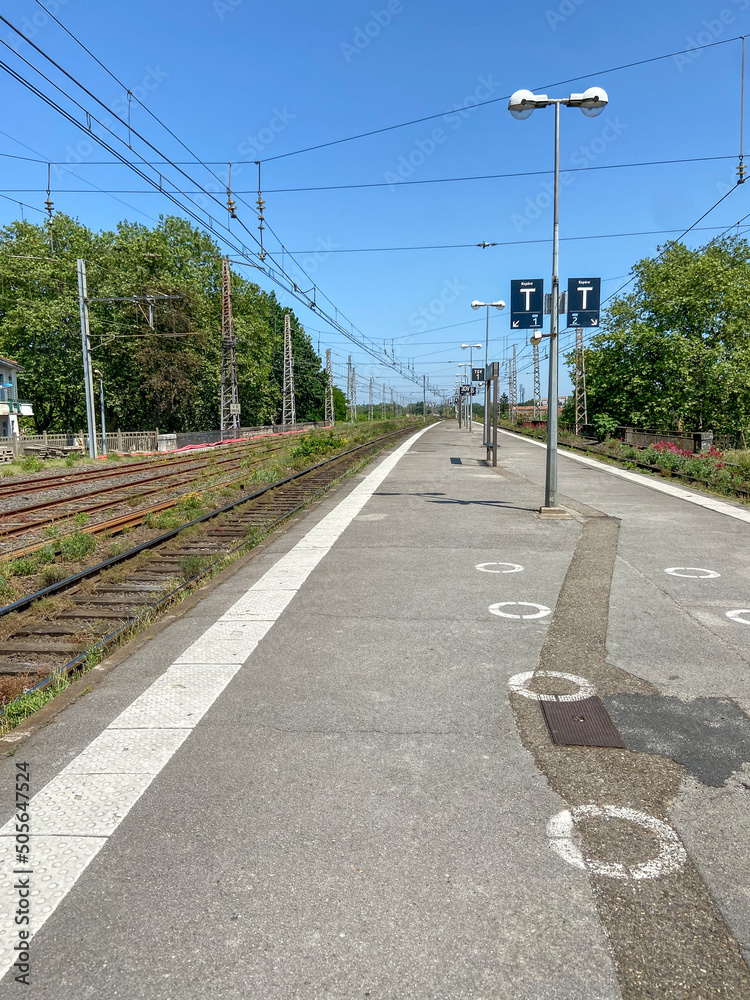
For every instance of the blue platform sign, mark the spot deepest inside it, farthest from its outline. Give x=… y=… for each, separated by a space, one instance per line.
x=584 y=302
x=527 y=304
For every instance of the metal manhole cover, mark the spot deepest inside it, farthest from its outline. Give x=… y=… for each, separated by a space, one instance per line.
x=584 y=723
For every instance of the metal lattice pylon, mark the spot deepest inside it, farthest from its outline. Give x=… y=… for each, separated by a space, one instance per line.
x=372 y=389
x=393 y=409
x=288 y=413
x=330 y=412
x=230 y=400
x=354 y=394
x=349 y=393
x=537 y=386
x=582 y=413
x=382 y=412
x=513 y=387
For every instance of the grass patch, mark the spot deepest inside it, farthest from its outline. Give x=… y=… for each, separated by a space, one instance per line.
x=77 y=546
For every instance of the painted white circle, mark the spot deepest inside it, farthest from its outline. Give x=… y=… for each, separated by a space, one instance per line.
x=542 y=610
x=671 y=856
x=513 y=568
x=520 y=682
x=736 y=616
x=692 y=573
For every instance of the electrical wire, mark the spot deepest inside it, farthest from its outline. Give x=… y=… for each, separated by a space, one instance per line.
x=496 y=100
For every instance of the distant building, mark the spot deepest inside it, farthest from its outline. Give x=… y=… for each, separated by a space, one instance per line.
x=11 y=407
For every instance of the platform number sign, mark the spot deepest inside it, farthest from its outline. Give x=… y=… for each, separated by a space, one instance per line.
x=584 y=302
x=477 y=374
x=527 y=304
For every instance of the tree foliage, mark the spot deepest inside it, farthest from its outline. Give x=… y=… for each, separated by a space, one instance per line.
x=674 y=354
x=167 y=376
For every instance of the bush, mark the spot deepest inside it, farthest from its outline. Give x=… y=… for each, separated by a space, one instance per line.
x=31 y=464
x=25 y=566
x=77 y=546
x=46 y=555
x=315 y=444
x=604 y=426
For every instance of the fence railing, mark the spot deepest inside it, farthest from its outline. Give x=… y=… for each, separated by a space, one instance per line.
x=129 y=442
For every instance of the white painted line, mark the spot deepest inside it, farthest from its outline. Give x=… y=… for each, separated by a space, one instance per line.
x=520 y=684
x=693 y=573
x=75 y=813
x=643 y=480
x=542 y=609
x=514 y=568
x=736 y=616
x=670 y=859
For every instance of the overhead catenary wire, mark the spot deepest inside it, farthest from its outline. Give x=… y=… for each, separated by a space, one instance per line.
x=278 y=275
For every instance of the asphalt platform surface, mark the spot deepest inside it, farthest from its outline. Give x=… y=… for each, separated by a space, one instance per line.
x=363 y=807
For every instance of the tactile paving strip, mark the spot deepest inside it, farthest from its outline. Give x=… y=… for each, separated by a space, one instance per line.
x=225 y=642
x=81 y=805
x=126 y=751
x=57 y=863
x=259 y=605
x=178 y=699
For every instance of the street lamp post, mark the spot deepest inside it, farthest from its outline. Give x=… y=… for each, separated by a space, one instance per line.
x=470 y=348
x=487 y=305
x=522 y=105
x=101 y=406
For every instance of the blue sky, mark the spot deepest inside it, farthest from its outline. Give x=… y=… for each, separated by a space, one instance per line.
x=239 y=81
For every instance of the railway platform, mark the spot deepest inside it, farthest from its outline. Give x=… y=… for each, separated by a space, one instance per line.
x=331 y=776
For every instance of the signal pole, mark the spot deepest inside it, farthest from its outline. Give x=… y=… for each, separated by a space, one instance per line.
x=288 y=413
x=230 y=400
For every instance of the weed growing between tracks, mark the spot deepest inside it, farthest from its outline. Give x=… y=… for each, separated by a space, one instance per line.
x=18 y=707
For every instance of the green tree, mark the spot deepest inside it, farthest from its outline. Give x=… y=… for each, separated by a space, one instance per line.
x=161 y=361
x=675 y=352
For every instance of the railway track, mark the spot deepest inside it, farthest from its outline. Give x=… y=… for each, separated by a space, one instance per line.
x=59 y=629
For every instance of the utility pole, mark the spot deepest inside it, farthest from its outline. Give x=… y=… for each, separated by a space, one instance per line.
x=372 y=387
x=88 y=377
x=582 y=413
x=330 y=412
x=382 y=410
x=424 y=397
x=537 y=385
x=393 y=408
x=354 y=395
x=230 y=400
x=288 y=413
